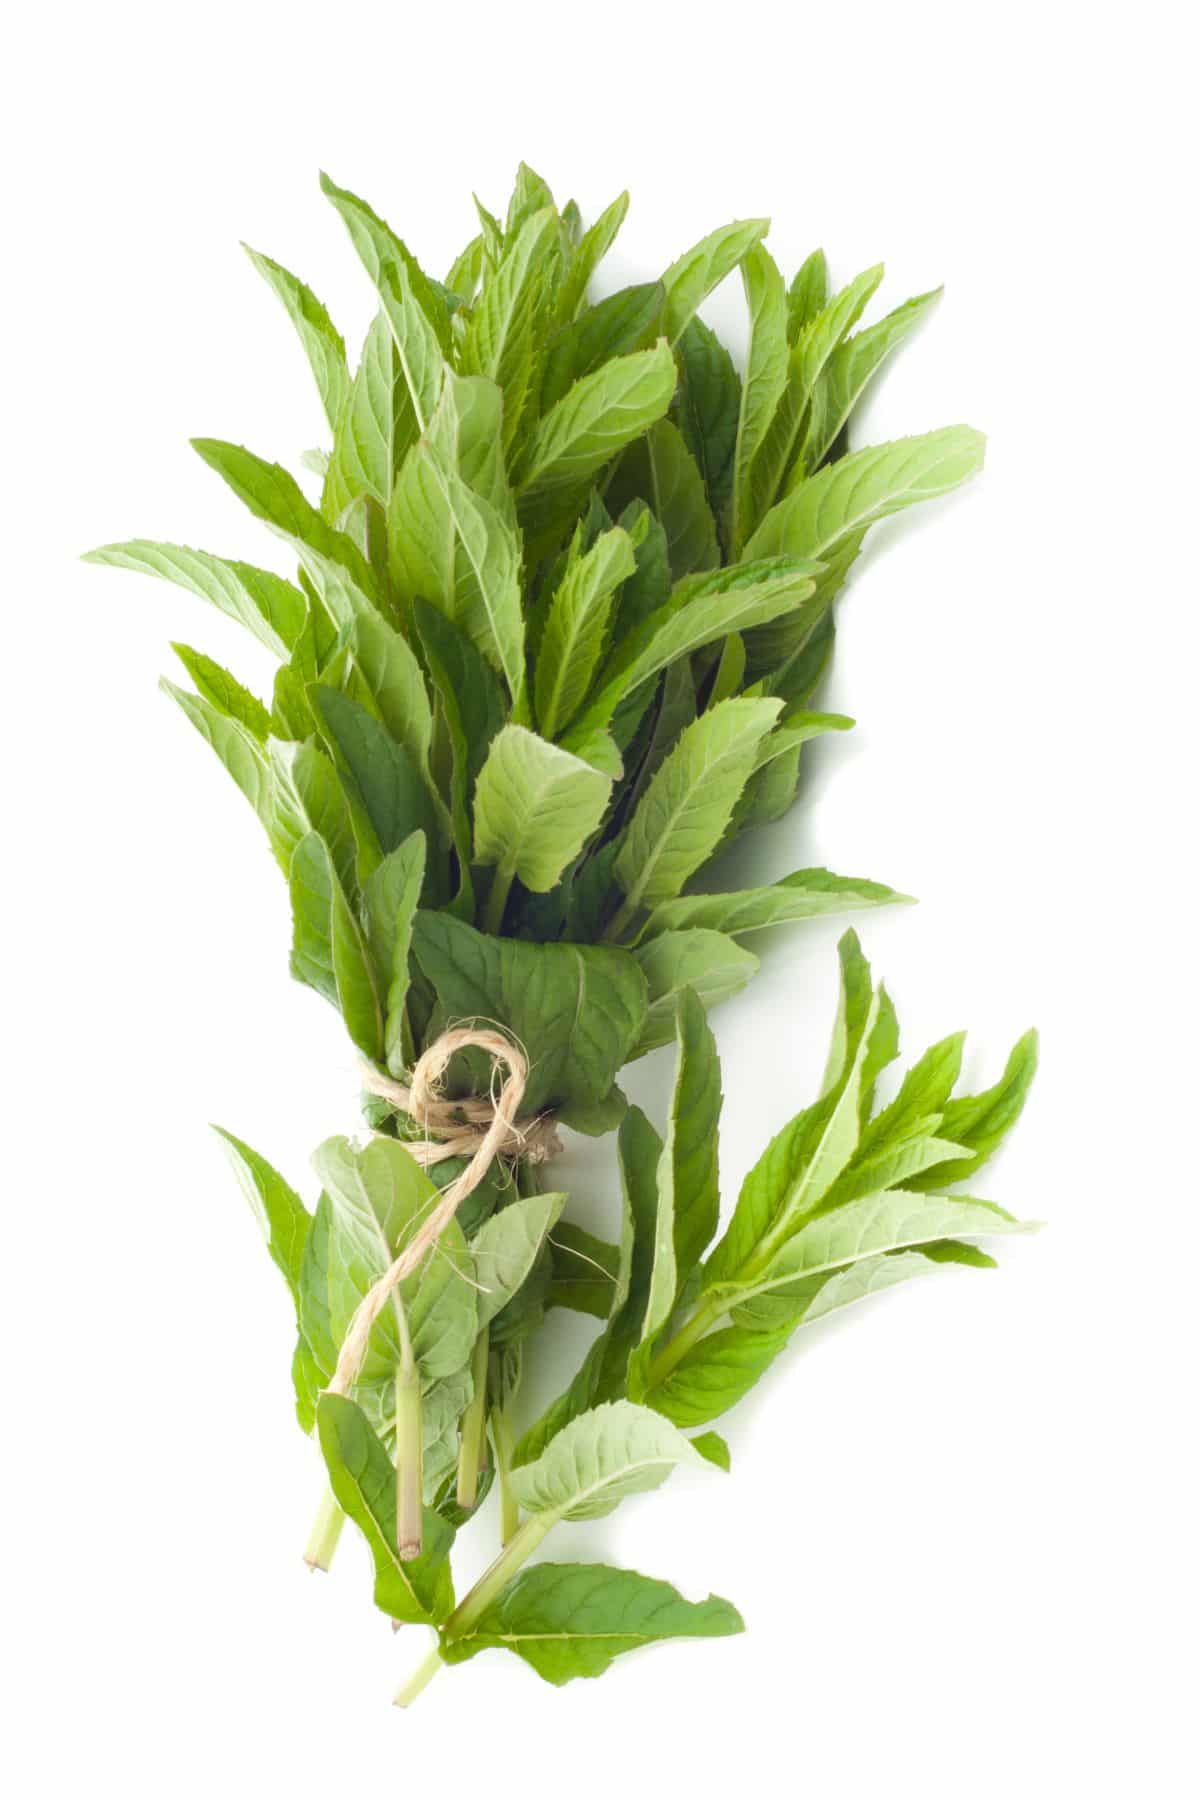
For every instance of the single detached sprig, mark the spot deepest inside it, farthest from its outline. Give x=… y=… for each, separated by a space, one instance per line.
x=564 y=593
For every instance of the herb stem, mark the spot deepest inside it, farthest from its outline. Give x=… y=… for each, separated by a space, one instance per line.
x=327 y=1529
x=673 y=1353
x=510 y=1512
x=497 y=900
x=420 y=1678
x=520 y=1546
x=621 y=919
x=471 y=1444
x=409 y=1509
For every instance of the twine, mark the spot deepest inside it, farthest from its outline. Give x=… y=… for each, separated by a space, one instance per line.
x=483 y=1128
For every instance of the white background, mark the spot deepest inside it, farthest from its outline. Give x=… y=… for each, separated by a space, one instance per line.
x=961 y=1525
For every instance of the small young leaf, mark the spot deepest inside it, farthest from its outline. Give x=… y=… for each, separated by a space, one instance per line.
x=573 y=639
x=221 y=690
x=598 y=416
x=322 y=342
x=981 y=1122
x=694 y=275
x=764 y=381
x=536 y=805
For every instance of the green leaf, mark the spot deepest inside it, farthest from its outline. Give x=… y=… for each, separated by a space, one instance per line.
x=715 y=1374
x=616 y=326
x=465 y=271
x=694 y=275
x=221 y=690
x=820 y=338
x=472 y=710
x=416 y=315
x=708 y=962
x=815 y=1297
x=338 y=569
x=807 y=294
x=374 y=429
x=364 y=1484
x=922 y=1096
x=602 y=1375
x=764 y=381
x=322 y=342
x=328 y=950
x=598 y=416
x=393 y=678
x=848 y=371
x=531 y=194
x=898 y=1219
x=593 y=246
x=572 y=1619
x=687 y=806
x=686 y=1179
x=701 y=609
x=661 y=470
x=306 y=795
x=574 y=635
x=238 y=748
x=391 y=895
x=282 y=1216
x=500 y=337
x=598 y=1459
x=584 y=1271
x=808 y=894
x=864 y=487
x=803 y=1161
x=713 y=1449
x=267 y=605
x=507 y=1245
x=709 y=406
x=450 y=545
x=582 y=1007
x=536 y=805
x=649 y=587
x=376 y=1198
x=981 y=1122
x=390 y=783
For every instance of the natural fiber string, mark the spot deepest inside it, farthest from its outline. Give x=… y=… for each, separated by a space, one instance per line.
x=482 y=1128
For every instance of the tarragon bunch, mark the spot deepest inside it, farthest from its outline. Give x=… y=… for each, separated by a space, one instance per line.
x=562 y=604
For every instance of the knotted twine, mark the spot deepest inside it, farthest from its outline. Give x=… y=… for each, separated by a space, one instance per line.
x=483 y=1128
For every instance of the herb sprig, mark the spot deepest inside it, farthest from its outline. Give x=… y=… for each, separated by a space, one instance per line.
x=562 y=606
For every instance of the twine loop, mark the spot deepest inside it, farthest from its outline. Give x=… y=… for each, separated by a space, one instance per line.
x=481 y=1127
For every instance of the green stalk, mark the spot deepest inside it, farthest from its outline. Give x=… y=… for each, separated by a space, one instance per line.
x=522 y=1545
x=420 y=1678
x=409 y=1506
x=465 y=1616
x=673 y=1353
x=327 y=1529
x=621 y=919
x=497 y=900
x=502 y=1441
x=471 y=1444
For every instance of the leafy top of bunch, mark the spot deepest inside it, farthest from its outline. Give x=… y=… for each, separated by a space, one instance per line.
x=560 y=609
